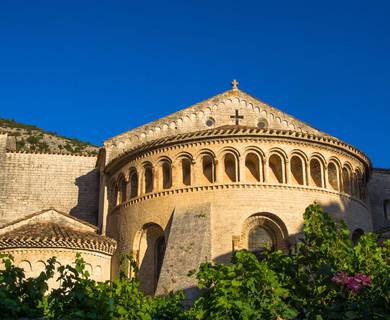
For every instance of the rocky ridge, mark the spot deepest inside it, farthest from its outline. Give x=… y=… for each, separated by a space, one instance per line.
x=30 y=138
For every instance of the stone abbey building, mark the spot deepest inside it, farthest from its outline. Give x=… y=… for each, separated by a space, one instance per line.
x=227 y=173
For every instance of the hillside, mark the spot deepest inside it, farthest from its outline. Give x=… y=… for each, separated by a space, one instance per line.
x=32 y=138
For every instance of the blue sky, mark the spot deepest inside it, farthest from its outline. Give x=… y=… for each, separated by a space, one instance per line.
x=94 y=69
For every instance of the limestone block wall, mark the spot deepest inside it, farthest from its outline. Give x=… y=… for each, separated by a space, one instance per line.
x=33 y=182
x=268 y=179
x=379 y=194
x=230 y=207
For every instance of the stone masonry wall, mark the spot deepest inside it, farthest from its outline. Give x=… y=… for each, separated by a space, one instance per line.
x=34 y=182
x=379 y=193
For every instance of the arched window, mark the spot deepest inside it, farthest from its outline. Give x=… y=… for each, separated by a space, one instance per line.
x=122 y=190
x=230 y=165
x=252 y=167
x=275 y=169
x=264 y=230
x=148 y=179
x=166 y=175
x=297 y=170
x=386 y=209
x=316 y=173
x=356 y=236
x=149 y=245
x=346 y=181
x=259 y=239
x=208 y=169
x=333 y=176
x=186 y=171
x=133 y=184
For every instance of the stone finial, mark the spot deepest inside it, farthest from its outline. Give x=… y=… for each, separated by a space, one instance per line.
x=234 y=84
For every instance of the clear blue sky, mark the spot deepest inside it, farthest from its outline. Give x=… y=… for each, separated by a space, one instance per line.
x=94 y=69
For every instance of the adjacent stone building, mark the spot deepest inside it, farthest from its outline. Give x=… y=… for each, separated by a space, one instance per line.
x=228 y=173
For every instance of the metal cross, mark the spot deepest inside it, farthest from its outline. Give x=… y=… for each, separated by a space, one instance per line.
x=234 y=84
x=237 y=117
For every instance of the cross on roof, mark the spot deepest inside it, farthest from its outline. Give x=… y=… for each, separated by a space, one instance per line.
x=234 y=84
x=237 y=117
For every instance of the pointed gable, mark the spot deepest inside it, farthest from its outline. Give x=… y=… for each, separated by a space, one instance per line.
x=50 y=216
x=232 y=107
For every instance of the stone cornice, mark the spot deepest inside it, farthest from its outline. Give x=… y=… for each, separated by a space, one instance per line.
x=237 y=185
x=52 y=153
x=237 y=133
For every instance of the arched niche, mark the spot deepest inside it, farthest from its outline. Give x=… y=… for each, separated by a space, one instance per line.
x=122 y=185
x=346 y=180
x=264 y=230
x=133 y=183
x=39 y=267
x=98 y=273
x=252 y=167
x=166 y=172
x=230 y=168
x=186 y=171
x=297 y=170
x=333 y=176
x=275 y=169
x=208 y=169
x=148 y=178
x=27 y=267
x=316 y=173
x=149 y=246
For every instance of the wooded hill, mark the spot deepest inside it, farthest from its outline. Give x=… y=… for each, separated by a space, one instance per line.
x=31 y=138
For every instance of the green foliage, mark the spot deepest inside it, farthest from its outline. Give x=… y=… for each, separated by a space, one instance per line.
x=21 y=297
x=324 y=252
x=246 y=289
x=32 y=138
x=326 y=277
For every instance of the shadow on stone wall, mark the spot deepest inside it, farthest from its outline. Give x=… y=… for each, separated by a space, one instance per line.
x=88 y=197
x=333 y=208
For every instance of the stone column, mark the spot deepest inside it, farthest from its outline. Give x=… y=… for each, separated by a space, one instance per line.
x=266 y=171
x=305 y=173
x=194 y=172
x=287 y=172
x=177 y=181
x=241 y=171
x=325 y=181
x=141 y=182
x=156 y=179
x=218 y=171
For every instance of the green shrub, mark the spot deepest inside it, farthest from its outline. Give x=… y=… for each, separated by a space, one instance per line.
x=325 y=278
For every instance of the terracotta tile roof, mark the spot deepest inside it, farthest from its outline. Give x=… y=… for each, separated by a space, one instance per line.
x=52 y=235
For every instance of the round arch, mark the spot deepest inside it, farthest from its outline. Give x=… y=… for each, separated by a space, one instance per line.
x=272 y=225
x=149 y=249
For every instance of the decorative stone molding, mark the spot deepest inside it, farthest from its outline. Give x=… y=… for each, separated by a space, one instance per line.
x=234 y=135
x=237 y=185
